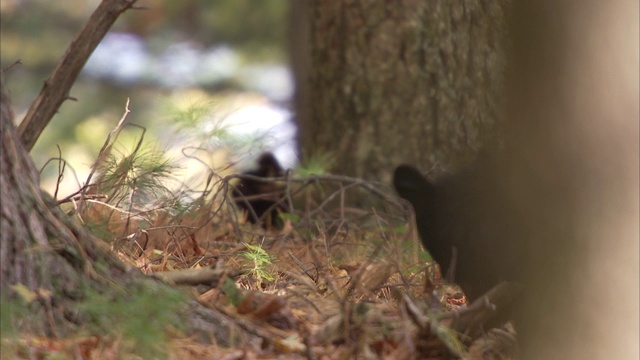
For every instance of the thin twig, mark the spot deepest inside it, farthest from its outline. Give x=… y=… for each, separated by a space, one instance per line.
x=106 y=149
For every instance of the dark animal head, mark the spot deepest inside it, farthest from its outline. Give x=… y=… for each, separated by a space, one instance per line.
x=410 y=183
x=412 y=186
x=268 y=166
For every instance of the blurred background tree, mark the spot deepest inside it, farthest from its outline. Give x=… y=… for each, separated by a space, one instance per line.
x=380 y=71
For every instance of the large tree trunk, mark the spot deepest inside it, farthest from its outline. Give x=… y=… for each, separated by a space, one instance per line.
x=381 y=70
x=40 y=248
x=573 y=179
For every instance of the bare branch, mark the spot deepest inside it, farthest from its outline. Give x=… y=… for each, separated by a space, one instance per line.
x=56 y=88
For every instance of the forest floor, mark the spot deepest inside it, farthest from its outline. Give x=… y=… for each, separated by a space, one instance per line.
x=335 y=282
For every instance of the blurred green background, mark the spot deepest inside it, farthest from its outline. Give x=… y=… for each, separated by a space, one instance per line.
x=209 y=79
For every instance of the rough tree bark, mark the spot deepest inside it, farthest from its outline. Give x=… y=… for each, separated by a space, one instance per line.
x=44 y=251
x=381 y=70
x=40 y=248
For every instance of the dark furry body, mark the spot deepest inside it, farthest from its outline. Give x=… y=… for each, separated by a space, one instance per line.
x=466 y=212
x=258 y=198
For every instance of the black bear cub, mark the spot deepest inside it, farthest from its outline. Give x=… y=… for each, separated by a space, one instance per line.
x=259 y=199
x=463 y=222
